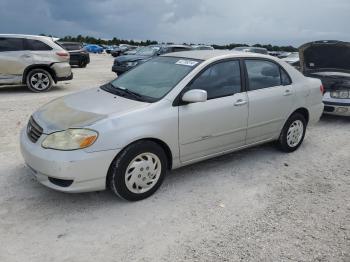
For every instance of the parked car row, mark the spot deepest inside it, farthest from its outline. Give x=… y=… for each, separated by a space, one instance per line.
x=126 y=62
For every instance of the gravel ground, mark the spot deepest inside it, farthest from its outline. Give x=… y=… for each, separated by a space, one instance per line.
x=254 y=205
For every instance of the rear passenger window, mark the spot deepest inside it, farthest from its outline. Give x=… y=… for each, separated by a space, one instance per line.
x=11 y=44
x=179 y=49
x=219 y=80
x=285 y=78
x=36 y=45
x=262 y=74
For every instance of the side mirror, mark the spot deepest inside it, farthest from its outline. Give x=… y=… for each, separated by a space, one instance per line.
x=195 y=95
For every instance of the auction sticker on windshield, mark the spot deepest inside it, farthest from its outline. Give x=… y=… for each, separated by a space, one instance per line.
x=186 y=62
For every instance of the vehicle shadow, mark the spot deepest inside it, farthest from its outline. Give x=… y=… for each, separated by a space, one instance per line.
x=23 y=89
x=335 y=119
x=174 y=182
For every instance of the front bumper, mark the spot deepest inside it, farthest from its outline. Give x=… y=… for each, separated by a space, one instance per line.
x=334 y=106
x=84 y=171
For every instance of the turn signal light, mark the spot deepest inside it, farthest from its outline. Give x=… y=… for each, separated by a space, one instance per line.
x=87 y=141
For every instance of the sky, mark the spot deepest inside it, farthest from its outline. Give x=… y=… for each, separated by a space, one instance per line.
x=279 y=22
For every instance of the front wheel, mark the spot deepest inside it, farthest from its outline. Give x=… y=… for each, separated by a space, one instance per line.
x=293 y=133
x=139 y=171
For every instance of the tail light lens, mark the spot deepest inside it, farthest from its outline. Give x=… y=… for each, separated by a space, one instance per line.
x=63 y=54
x=322 y=89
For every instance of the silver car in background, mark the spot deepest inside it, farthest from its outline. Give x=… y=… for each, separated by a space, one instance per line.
x=36 y=61
x=171 y=111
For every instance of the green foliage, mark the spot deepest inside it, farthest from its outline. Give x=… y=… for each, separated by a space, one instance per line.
x=99 y=41
x=117 y=41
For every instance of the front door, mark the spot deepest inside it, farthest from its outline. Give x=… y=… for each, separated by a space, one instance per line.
x=219 y=124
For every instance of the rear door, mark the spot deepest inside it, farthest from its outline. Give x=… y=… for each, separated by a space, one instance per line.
x=13 y=60
x=271 y=99
x=40 y=51
x=219 y=124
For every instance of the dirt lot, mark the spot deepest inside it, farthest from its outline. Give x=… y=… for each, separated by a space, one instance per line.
x=255 y=205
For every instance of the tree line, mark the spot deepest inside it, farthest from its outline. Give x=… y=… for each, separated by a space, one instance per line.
x=117 y=41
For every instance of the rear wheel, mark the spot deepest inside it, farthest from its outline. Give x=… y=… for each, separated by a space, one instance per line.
x=293 y=133
x=82 y=64
x=138 y=171
x=39 y=80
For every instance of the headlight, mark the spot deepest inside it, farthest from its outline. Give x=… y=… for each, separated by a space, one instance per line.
x=340 y=94
x=131 y=63
x=70 y=139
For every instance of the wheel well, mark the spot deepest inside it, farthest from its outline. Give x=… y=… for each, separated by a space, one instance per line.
x=304 y=112
x=162 y=144
x=45 y=67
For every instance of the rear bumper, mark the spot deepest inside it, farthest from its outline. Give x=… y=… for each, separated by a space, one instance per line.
x=62 y=70
x=70 y=77
x=78 y=58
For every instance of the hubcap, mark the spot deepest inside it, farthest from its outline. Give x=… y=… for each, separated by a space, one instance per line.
x=143 y=173
x=295 y=133
x=40 y=81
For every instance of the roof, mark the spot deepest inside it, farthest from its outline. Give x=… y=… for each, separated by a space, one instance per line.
x=28 y=36
x=208 y=54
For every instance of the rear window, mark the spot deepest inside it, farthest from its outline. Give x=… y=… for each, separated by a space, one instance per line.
x=37 y=45
x=71 y=46
x=11 y=44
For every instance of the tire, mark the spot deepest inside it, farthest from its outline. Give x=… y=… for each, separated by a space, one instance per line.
x=39 y=80
x=293 y=133
x=138 y=171
x=82 y=64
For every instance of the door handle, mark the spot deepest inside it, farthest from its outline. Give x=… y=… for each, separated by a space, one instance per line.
x=25 y=56
x=240 y=102
x=287 y=92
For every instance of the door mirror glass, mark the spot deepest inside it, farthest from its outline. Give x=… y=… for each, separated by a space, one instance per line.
x=194 y=96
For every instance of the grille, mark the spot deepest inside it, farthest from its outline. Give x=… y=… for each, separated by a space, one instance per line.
x=34 y=131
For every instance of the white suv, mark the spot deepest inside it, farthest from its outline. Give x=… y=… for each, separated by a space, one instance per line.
x=36 y=61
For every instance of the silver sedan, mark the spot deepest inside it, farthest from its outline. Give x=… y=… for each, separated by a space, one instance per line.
x=171 y=111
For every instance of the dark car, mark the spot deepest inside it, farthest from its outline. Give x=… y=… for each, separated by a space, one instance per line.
x=126 y=62
x=329 y=61
x=78 y=55
x=121 y=49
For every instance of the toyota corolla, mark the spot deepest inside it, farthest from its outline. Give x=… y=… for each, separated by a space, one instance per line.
x=171 y=111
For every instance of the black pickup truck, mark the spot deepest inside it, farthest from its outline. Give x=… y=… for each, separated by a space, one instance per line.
x=78 y=55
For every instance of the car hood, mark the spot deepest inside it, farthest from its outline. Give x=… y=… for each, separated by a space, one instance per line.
x=325 y=56
x=130 y=58
x=83 y=109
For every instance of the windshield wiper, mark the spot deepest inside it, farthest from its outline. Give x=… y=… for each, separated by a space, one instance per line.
x=129 y=92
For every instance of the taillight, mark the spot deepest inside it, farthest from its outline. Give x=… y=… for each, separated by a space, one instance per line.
x=322 y=89
x=62 y=54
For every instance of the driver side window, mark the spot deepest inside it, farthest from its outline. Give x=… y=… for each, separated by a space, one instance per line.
x=219 y=80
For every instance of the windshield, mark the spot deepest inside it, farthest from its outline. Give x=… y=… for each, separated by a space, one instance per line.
x=155 y=78
x=148 y=50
